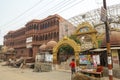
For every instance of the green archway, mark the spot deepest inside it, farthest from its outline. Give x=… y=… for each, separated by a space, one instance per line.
x=70 y=42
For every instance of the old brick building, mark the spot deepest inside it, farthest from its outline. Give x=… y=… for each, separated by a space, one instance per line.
x=27 y=40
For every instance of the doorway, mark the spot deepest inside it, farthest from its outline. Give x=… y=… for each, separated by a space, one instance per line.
x=30 y=52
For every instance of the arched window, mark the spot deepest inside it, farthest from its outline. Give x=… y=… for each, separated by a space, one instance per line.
x=57 y=22
x=35 y=27
x=46 y=37
x=52 y=23
x=55 y=34
x=49 y=36
x=45 y=25
x=36 y=38
x=31 y=27
x=48 y=24
x=41 y=26
x=40 y=37
x=43 y=37
x=52 y=35
x=38 y=26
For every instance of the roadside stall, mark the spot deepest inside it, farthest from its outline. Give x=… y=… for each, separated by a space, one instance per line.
x=89 y=64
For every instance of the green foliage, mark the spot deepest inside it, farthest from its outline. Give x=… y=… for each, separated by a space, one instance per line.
x=73 y=37
x=99 y=43
x=67 y=49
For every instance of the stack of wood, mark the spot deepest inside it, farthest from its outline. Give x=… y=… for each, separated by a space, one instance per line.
x=80 y=76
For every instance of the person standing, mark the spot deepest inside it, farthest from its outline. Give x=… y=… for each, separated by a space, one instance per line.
x=73 y=66
x=99 y=68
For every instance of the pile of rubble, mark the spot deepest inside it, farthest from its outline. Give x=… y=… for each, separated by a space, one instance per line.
x=80 y=76
x=18 y=62
x=42 y=67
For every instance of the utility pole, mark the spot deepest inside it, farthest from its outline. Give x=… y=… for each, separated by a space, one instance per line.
x=109 y=56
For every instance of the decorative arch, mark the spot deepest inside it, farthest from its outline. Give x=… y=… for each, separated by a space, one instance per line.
x=86 y=29
x=70 y=42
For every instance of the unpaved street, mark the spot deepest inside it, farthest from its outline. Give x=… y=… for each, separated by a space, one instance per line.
x=8 y=73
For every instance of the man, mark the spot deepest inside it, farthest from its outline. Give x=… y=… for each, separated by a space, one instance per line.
x=99 y=68
x=72 y=65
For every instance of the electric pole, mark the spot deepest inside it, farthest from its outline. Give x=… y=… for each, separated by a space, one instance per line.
x=109 y=56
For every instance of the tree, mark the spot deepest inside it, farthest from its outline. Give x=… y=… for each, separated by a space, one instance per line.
x=74 y=37
x=67 y=49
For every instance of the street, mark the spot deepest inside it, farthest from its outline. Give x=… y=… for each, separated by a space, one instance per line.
x=9 y=73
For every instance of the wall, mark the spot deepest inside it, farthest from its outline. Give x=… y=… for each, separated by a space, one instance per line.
x=65 y=29
x=115 y=58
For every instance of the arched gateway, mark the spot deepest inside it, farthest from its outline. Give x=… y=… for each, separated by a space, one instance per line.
x=70 y=42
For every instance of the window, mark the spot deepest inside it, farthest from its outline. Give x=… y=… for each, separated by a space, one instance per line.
x=46 y=37
x=55 y=34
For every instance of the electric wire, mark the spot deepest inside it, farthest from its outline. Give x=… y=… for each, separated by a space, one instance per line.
x=57 y=7
x=54 y=7
x=23 y=13
x=27 y=15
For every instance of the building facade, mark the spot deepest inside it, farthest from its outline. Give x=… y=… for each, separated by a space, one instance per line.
x=27 y=40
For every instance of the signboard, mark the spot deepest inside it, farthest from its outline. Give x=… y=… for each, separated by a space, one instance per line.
x=48 y=57
x=103 y=14
x=29 y=39
x=96 y=59
x=84 y=59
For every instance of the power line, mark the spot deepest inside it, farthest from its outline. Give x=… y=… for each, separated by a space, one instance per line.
x=23 y=13
x=72 y=5
x=62 y=7
x=40 y=10
x=26 y=12
x=57 y=7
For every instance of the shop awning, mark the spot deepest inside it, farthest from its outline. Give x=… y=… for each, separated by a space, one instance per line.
x=99 y=49
x=104 y=49
x=115 y=47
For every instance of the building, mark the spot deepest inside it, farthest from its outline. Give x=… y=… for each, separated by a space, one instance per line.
x=27 y=40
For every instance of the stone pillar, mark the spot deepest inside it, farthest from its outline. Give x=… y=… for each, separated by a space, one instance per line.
x=35 y=50
x=55 y=62
x=54 y=58
x=77 y=58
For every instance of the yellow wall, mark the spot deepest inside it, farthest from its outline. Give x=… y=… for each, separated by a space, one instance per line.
x=115 y=58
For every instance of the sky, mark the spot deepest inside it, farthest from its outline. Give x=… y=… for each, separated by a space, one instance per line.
x=14 y=14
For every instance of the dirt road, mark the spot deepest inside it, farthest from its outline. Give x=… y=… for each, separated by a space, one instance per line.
x=8 y=73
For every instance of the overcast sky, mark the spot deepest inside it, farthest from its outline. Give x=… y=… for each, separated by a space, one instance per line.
x=14 y=14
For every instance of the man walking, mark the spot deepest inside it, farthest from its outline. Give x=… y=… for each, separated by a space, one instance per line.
x=72 y=65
